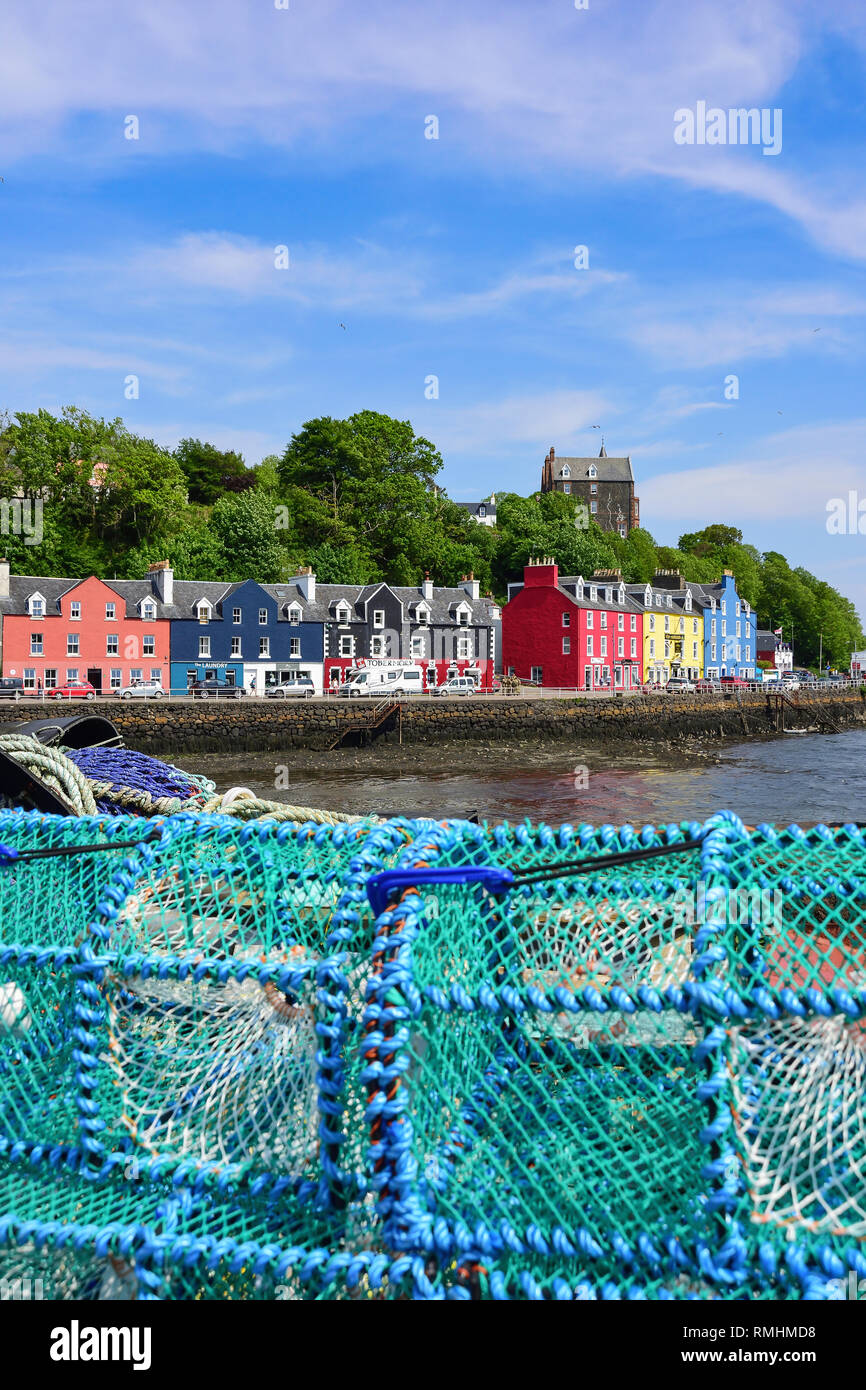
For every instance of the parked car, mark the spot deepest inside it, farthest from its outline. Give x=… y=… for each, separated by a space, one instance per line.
x=679 y=685
x=12 y=688
x=457 y=685
x=727 y=682
x=300 y=689
x=74 y=690
x=707 y=684
x=142 y=690
x=216 y=690
x=790 y=683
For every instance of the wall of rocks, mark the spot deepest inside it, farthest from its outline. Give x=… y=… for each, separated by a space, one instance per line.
x=255 y=726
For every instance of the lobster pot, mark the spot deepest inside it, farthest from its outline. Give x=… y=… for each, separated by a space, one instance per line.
x=794 y=946
x=47 y=908
x=210 y=975
x=537 y=1056
x=795 y=915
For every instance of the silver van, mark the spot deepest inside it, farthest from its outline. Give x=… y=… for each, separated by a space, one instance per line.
x=457 y=685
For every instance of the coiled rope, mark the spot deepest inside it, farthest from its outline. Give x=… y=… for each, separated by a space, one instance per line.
x=143 y=786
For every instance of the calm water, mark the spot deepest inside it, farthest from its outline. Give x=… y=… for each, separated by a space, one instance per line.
x=807 y=778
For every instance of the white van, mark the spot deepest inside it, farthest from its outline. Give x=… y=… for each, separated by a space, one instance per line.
x=382 y=681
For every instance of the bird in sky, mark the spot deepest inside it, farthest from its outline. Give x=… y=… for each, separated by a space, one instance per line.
x=342 y=325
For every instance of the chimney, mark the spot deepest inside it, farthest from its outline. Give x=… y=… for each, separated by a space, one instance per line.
x=552 y=453
x=539 y=573
x=162 y=579
x=471 y=586
x=729 y=573
x=306 y=582
x=427 y=587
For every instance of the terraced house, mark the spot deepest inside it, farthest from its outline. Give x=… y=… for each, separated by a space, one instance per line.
x=730 y=624
x=673 y=628
x=54 y=631
x=571 y=632
x=446 y=631
x=244 y=634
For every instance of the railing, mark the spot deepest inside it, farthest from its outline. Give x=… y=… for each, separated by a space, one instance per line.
x=526 y=691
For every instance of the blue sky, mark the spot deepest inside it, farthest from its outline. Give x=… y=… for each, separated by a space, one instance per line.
x=453 y=257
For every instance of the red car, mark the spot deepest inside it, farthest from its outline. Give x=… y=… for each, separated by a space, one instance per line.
x=732 y=680
x=73 y=690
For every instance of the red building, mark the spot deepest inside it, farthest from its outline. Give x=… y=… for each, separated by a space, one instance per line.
x=59 y=630
x=584 y=635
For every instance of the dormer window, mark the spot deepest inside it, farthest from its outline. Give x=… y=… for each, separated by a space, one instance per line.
x=592 y=471
x=670 y=602
x=688 y=602
x=580 y=591
x=148 y=611
x=620 y=598
x=295 y=614
x=422 y=614
x=342 y=614
x=203 y=611
x=566 y=471
x=36 y=606
x=593 y=594
x=482 y=510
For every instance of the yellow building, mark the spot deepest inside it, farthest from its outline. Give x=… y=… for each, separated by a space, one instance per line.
x=673 y=630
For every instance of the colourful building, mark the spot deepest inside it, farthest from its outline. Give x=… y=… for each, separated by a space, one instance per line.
x=570 y=632
x=673 y=628
x=58 y=630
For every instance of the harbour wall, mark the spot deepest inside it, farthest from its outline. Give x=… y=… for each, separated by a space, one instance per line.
x=258 y=725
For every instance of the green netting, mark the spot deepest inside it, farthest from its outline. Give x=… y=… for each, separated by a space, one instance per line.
x=223 y=1076
x=550 y=1069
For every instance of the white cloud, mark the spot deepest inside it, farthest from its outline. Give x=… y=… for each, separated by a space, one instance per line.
x=789 y=476
x=370 y=276
x=523 y=87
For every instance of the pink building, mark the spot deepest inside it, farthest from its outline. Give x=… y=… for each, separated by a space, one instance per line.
x=58 y=630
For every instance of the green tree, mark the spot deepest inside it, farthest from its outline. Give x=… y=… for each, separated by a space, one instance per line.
x=245 y=528
x=209 y=471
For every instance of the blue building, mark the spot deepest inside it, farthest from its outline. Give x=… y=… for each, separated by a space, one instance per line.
x=730 y=623
x=246 y=634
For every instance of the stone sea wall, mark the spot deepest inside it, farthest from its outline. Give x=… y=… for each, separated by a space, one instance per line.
x=258 y=725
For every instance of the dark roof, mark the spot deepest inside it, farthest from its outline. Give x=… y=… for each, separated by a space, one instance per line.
x=474 y=507
x=22 y=586
x=356 y=597
x=608 y=470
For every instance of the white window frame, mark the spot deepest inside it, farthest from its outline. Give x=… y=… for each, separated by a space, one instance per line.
x=236 y=647
x=148 y=637
x=73 y=644
x=115 y=677
x=237 y=617
x=204 y=646
x=378 y=618
x=264 y=647
x=37 y=646
x=263 y=617
x=109 y=649
x=111 y=612
x=295 y=648
x=75 y=611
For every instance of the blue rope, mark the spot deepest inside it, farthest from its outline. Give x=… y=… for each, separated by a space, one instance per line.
x=123 y=767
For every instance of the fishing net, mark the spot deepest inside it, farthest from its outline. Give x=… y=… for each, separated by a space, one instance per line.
x=174 y=1010
x=795 y=957
x=538 y=1050
x=257 y=1060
